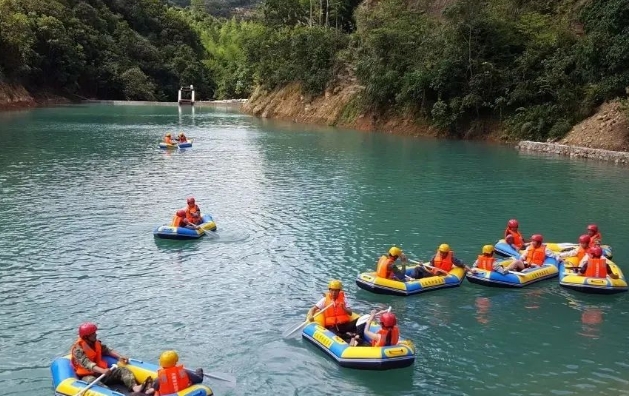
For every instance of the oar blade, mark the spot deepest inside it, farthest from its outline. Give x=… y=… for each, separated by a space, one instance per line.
x=293 y=330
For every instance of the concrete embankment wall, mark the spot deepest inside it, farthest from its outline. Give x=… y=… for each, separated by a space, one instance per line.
x=618 y=157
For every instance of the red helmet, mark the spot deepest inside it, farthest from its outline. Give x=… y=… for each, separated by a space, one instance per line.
x=513 y=223
x=584 y=239
x=181 y=213
x=596 y=252
x=537 y=238
x=593 y=228
x=388 y=319
x=87 y=329
x=509 y=239
x=191 y=201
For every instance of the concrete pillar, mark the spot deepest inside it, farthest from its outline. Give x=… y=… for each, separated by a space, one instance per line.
x=179 y=96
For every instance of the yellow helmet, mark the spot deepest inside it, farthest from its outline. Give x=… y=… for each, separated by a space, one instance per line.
x=444 y=248
x=395 y=251
x=168 y=134
x=488 y=249
x=168 y=359
x=335 y=285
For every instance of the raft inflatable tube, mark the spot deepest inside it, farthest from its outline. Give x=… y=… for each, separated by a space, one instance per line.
x=505 y=250
x=66 y=383
x=169 y=232
x=359 y=357
x=187 y=144
x=571 y=280
x=371 y=282
x=514 y=279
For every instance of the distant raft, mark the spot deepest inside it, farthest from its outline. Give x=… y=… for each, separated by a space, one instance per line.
x=170 y=232
x=571 y=280
x=514 y=279
x=359 y=357
x=505 y=250
x=186 y=144
x=66 y=383
x=371 y=282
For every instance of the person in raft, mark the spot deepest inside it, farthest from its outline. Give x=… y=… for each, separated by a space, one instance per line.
x=580 y=251
x=486 y=260
x=193 y=212
x=168 y=139
x=87 y=359
x=180 y=220
x=389 y=333
x=512 y=230
x=595 y=235
x=534 y=256
x=386 y=267
x=594 y=266
x=441 y=263
x=172 y=378
x=337 y=315
x=182 y=138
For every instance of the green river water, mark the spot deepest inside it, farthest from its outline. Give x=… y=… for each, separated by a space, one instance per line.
x=82 y=188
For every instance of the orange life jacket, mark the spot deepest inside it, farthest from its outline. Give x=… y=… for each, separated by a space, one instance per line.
x=382 y=270
x=336 y=313
x=596 y=239
x=177 y=221
x=535 y=255
x=518 y=241
x=95 y=355
x=168 y=140
x=191 y=212
x=172 y=380
x=443 y=263
x=580 y=253
x=597 y=268
x=485 y=262
x=388 y=337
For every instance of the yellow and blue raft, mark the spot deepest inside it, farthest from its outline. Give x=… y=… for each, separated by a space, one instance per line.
x=183 y=145
x=66 y=383
x=170 y=232
x=514 y=279
x=371 y=282
x=505 y=250
x=572 y=280
x=359 y=357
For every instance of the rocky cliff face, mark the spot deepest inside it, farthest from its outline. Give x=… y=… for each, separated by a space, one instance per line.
x=15 y=96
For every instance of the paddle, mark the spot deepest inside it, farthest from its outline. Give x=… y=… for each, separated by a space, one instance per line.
x=285 y=335
x=363 y=319
x=113 y=367
x=427 y=266
x=221 y=376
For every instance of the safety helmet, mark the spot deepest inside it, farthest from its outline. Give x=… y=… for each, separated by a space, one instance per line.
x=537 y=238
x=168 y=134
x=181 y=213
x=335 y=284
x=168 y=359
x=395 y=251
x=585 y=239
x=513 y=223
x=180 y=133
x=87 y=329
x=191 y=201
x=444 y=248
x=509 y=239
x=488 y=249
x=596 y=252
x=388 y=319
x=593 y=228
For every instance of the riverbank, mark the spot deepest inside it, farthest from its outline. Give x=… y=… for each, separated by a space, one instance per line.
x=15 y=97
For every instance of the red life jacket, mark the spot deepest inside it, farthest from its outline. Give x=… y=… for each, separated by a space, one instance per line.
x=485 y=262
x=595 y=240
x=535 y=255
x=388 y=337
x=192 y=214
x=518 y=241
x=172 y=380
x=383 y=268
x=336 y=313
x=597 y=268
x=444 y=263
x=95 y=355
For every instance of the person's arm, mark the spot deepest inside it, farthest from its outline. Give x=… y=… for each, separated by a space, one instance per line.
x=569 y=253
x=347 y=309
x=457 y=262
x=367 y=332
x=550 y=253
x=108 y=351
x=316 y=308
x=79 y=355
x=194 y=377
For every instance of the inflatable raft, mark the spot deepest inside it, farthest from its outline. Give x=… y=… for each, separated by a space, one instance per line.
x=359 y=357
x=513 y=278
x=187 y=144
x=66 y=383
x=572 y=280
x=371 y=282
x=503 y=249
x=169 y=232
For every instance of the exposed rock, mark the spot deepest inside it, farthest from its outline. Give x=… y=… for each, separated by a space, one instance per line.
x=618 y=157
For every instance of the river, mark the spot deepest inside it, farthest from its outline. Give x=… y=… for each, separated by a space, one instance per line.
x=83 y=187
